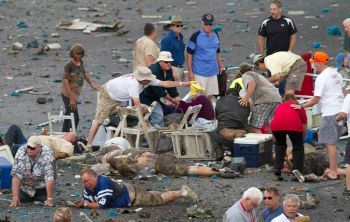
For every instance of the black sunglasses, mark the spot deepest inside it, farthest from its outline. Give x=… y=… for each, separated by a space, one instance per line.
x=269 y=198
x=30 y=148
x=167 y=62
x=179 y=26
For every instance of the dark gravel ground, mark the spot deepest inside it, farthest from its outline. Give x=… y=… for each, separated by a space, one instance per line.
x=238 y=40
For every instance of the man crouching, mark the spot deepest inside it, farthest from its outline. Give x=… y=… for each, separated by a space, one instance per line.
x=103 y=192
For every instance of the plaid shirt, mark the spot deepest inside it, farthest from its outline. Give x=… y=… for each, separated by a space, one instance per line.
x=34 y=174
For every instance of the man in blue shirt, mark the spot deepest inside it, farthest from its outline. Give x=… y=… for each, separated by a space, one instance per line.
x=203 y=59
x=163 y=71
x=102 y=192
x=173 y=42
x=273 y=208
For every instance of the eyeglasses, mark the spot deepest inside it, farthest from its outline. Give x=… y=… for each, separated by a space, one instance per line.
x=31 y=148
x=167 y=62
x=269 y=198
x=179 y=26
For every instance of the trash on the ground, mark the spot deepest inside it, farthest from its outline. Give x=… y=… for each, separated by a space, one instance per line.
x=17 y=46
x=94 y=213
x=217 y=28
x=334 y=30
x=52 y=46
x=83 y=215
x=39 y=93
x=296 y=12
x=22 y=25
x=43 y=100
x=77 y=176
x=88 y=27
x=316 y=45
x=123 y=60
x=190 y=3
x=325 y=9
x=9 y=77
x=314 y=27
x=89 y=9
x=55 y=35
x=198 y=212
x=33 y=44
x=144 y=215
x=151 y=16
x=70 y=203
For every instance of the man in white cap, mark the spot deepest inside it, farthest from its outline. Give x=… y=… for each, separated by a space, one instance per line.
x=33 y=173
x=163 y=71
x=124 y=88
x=173 y=42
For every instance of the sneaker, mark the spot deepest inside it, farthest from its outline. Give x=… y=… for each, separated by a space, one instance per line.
x=188 y=193
x=299 y=176
x=89 y=159
x=228 y=175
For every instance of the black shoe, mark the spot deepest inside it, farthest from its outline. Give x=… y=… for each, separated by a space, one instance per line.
x=278 y=173
x=346 y=193
x=229 y=175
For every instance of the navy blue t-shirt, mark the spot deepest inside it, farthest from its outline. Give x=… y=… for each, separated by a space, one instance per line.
x=270 y=215
x=108 y=194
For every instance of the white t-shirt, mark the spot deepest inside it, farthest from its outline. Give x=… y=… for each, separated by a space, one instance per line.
x=346 y=109
x=283 y=218
x=280 y=62
x=126 y=87
x=329 y=87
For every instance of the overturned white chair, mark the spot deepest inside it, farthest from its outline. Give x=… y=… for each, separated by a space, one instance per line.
x=189 y=141
x=58 y=118
x=150 y=134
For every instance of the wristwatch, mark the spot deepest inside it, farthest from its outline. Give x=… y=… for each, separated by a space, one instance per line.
x=85 y=204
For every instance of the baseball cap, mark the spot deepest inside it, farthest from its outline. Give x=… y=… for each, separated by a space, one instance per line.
x=320 y=57
x=208 y=19
x=34 y=141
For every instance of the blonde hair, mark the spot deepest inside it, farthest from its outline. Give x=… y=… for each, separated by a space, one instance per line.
x=77 y=49
x=62 y=214
x=289 y=97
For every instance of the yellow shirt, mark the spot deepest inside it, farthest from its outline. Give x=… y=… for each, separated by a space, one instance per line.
x=280 y=62
x=57 y=144
x=144 y=46
x=237 y=81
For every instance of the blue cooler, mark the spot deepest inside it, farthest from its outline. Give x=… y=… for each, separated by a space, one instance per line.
x=5 y=173
x=255 y=148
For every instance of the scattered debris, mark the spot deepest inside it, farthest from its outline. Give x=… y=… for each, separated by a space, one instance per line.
x=55 y=35
x=151 y=16
x=17 y=46
x=22 y=25
x=198 y=212
x=83 y=215
x=296 y=13
x=334 y=30
x=88 y=27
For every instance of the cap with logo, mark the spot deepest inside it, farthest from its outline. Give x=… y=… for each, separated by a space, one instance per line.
x=208 y=19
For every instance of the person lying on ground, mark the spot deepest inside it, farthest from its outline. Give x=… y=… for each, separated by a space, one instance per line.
x=125 y=88
x=62 y=214
x=103 y=192
x=62 y=147
x=131 y=162
x=33 y=174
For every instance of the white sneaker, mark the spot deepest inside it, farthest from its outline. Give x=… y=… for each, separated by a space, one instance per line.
x=85 y=147
x=188 y=193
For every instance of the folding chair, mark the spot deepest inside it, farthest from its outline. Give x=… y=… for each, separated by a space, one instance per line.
x=151 y=134
x=57 y=118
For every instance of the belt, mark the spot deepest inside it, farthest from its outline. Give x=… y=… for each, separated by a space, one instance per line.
x=178 y=66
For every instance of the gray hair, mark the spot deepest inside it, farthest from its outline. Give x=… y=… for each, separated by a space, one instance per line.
x=291 y=197
x=346 y=21
x=253 y=193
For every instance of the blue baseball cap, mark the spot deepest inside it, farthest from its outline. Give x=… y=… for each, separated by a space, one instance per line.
x=208 y=19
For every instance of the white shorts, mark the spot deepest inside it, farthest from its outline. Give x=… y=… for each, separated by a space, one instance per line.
x=210 y=84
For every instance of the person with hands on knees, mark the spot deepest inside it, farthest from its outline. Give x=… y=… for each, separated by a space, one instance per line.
x=72 y=84
x=124 y=88
x=33 y=174
x=102 y=192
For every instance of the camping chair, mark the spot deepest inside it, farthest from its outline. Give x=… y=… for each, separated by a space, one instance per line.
x=151 y=134
x=60 y=117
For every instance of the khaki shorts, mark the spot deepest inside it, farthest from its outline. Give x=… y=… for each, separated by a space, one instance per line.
x=168 y=164
x=210 y=84
x=296 y=75
x=146 y=198
x=105 y=106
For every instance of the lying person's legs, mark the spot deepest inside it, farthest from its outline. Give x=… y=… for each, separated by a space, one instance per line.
x=231 y=134
x=202 y=170
x=14 y=138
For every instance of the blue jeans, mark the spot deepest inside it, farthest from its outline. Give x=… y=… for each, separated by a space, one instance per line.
x=14 y=138
x=157 y=116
